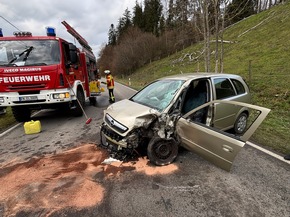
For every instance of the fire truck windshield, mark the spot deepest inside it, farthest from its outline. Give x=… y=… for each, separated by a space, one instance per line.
x=29 y=53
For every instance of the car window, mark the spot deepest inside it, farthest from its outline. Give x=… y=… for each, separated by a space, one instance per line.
x=158 y=94
x=223 y=88
x=252 y=111
x=239 y=86
x=196 y=95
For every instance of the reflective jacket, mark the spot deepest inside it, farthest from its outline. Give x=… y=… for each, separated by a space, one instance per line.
x=110 y=81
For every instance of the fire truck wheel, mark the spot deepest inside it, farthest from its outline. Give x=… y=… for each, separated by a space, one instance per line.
x=80 y=103
x=93 y=100
x=21 y=113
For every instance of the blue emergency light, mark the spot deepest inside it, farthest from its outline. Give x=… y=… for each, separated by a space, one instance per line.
x=50 y=31
x=1 y=33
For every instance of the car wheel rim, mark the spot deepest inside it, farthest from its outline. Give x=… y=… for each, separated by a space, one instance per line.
x=163 y=150
x=242 y=123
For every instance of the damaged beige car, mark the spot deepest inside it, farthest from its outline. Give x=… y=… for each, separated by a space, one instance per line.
x=205 y=113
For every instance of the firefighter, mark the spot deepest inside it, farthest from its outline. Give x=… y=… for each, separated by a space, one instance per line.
x=110 y=85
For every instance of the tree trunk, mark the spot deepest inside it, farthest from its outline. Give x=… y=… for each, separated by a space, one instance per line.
x=207 y=36
x=216 y=14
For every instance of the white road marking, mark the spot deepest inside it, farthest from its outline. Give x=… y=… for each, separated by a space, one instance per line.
x=9 y=130
x=268 y=152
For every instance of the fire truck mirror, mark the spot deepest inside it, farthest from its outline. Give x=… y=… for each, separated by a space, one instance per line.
x=73 y=57
x=72 y=47
x=73 y=53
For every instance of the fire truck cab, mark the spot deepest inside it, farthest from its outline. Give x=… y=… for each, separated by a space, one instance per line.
x=38 y=72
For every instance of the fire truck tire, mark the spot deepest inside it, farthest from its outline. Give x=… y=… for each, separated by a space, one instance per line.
x=80 y=103
x=93 y=100
x=21 y=113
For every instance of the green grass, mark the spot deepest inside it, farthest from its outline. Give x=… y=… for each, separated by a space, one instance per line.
x=6 y=120
x=262 y=42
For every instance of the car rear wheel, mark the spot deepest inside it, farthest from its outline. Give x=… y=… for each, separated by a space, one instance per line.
x=162 y=151
x=241 y=123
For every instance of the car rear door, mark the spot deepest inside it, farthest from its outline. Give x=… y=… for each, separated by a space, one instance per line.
x=217 y=146
x=225 y=115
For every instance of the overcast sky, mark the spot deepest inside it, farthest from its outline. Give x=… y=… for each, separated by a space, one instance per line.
x=91 y=18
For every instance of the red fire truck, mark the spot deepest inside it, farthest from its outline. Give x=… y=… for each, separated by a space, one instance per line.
x=38 y=72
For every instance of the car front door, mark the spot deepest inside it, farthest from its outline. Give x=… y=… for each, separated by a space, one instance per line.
x=214 y=145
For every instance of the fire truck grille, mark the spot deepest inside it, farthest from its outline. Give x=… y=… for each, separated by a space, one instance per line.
x=26 y=87
x=31 y=101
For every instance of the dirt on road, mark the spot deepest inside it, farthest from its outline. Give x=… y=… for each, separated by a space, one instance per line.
x=73 y=178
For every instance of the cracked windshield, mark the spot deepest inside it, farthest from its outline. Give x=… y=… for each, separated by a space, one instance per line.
x=159 y=94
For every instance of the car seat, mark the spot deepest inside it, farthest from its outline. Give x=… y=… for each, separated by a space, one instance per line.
x=195 y=97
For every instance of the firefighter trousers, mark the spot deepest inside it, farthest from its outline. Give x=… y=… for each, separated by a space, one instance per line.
x=111 y=95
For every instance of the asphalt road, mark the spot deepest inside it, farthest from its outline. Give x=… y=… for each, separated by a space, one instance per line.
x=60 y=172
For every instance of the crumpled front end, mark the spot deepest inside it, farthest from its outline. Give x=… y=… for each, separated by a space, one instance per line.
x=136 y=141
x=121 y=135
x=128 y=127
x=121 y=144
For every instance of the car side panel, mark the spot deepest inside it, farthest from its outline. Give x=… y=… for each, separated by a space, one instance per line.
x=215 y=145
x=225 y=114
x=211 y=145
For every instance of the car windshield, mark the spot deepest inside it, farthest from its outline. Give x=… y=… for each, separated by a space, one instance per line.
x=29 y=53
x=159 y=94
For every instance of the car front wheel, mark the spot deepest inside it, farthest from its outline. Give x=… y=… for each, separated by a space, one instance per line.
x=241 y=123
x=162 y=151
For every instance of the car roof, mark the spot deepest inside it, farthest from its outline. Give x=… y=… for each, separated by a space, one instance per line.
x=190 y=76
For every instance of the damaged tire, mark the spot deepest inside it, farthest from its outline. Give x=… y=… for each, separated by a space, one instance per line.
x=162 y=151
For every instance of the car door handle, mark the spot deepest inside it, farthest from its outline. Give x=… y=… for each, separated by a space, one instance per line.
x=227 y=148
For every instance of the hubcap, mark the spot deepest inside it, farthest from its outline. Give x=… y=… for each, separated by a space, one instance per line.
x=163 y=150
x=242 y=123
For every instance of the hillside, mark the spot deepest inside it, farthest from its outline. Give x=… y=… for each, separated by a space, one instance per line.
x=260 y=52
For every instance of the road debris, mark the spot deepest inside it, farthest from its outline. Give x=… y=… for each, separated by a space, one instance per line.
x=110 y=160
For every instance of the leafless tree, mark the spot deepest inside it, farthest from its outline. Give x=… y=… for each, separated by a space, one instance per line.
x=216 y=16
x=204 y=5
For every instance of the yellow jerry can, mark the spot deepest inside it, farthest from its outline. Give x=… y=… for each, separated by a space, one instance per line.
x=32 y=127
x=94 y=87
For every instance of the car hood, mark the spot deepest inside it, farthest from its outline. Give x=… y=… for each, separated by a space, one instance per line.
x=131 y=114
